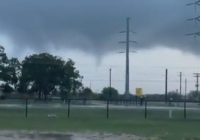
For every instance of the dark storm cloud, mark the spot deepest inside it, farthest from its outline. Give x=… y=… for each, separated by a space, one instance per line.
x=93 y=25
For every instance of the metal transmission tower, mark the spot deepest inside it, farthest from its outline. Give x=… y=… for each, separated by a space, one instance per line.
x=127 y=42
x=195 y=19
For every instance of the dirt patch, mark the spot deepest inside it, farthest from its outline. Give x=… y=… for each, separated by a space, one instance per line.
x=27 y=135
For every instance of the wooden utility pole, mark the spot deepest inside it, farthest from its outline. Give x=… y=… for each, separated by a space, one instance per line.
x=166 y=84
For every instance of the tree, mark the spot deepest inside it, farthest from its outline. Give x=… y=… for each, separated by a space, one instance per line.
x=9 y=71
x=173 y=95
x=41 y=73
x=194 y=95
x=87 y=93
x=3 y=56
x=109 y=93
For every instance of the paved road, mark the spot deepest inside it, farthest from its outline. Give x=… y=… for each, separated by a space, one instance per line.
x=100 y=106
x=14 y=135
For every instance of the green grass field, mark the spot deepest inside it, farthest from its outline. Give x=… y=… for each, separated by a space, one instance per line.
x=157 y=124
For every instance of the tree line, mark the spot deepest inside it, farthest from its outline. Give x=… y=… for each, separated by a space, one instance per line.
x=42 y=76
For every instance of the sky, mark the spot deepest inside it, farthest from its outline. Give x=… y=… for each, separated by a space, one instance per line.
x=89 y=31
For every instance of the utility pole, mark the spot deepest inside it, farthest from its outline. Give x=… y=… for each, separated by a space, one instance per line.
x=185 y=99
x=180 y=75
x=185 y=88
x=109 y=96
x=127 y=57
x=90 y=84
x=166 y=84
x=127 y=42
x=197 y=75
x=110 y=79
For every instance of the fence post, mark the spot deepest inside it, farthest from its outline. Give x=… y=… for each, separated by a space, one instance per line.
x=26 y=110
x=68 y=108
x=185 y=113
x=145 y=112
x=107 y=112
x=136 y=99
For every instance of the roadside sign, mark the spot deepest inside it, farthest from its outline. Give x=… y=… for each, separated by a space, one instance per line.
x=139 y=92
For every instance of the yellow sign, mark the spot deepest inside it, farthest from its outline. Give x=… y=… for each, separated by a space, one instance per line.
x=139 y=92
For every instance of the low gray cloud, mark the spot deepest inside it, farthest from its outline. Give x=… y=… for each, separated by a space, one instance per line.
x=93 y=25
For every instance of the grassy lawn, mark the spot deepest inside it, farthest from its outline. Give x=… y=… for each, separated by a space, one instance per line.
x=156 y=125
